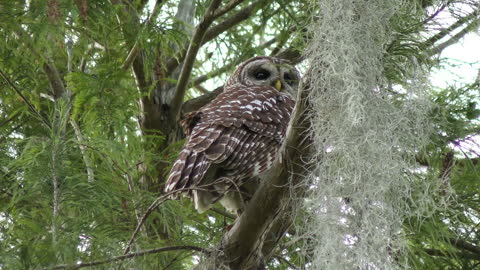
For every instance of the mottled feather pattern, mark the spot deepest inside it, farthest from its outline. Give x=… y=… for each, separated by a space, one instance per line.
x=234 y=138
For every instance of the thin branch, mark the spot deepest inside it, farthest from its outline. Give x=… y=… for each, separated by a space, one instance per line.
x=233 y=20
x=9 y=119
x=462 y=244
x=192 y=51
x=435 y=14
x=135 y=50
x=159 y=201
x=229 y=6
x=54 y=78
x=201 y=89
x=223 y=213
x=448 y=163
x=441 y=253
x=25 y=99
x=86 y=158
x=131 y=255
x=429 y=42
x=132 y=54
x=216 y=30
x=469 y=28
x=280 y=259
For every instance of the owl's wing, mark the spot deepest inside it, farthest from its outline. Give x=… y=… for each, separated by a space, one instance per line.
x=239 y=132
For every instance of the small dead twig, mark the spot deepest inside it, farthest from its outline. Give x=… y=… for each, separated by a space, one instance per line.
x=159 y=201
x=131 y=255
x=25 y=99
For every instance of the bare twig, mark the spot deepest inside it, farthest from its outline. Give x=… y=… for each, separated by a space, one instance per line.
x=233 y=20
x=440 y=47
x=131 y=255
x=159 y=201
x=216 y=30
x=281 y=259
x=429 y=42
x=86 y=158
x=200 y=79
x=192 y=51
x=135 y=50
x=223 y=213
x=201 y=89
x=431 y=17
x=226 y=8
x=441 y=253
x=9 y=119
x=25 y=99
x=54 y=78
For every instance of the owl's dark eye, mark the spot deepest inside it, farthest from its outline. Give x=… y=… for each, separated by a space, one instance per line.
x=289 y=78
x=261 y=74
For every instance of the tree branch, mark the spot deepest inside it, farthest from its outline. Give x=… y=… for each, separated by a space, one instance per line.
x=233 y=20
x=435 y=14
x=54 y=78
x=216 y=30
x=130 y=255
x=192 y=51
x=200 y=79
x=462 y=244
x=135 y=50
x=227 y=7
x=440 y=47
x=25 y=99
x=159 y=201
x=429 y=42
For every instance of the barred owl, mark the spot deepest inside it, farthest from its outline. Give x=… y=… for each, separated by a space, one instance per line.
x=234 y=140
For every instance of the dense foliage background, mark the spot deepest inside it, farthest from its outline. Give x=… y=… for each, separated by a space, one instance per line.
x=91 y=94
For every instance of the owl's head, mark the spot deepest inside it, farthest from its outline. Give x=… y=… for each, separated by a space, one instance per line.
x=264 y=70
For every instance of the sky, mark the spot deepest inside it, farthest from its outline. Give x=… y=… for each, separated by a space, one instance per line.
x=460 y=63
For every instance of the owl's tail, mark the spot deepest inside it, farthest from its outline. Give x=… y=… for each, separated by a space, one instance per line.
x=186 y=173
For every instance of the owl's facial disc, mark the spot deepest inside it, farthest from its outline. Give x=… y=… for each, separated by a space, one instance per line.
x=263 y=71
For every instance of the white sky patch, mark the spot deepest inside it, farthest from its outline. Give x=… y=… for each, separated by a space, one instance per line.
x=460 y=63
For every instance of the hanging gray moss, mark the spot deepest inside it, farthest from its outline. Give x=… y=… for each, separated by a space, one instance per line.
x=365 y=139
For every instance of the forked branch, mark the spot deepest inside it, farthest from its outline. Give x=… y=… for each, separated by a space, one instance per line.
x=195 y=44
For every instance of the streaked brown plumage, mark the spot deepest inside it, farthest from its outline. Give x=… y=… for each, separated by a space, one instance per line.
x=234 y=140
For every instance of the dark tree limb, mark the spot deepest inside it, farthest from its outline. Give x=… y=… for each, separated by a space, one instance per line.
x=233 y=20
x=216 y=30
x=443 y=33
x=130 y=255
x=469 y=28
x=154 y=205
x=195 y=44
x=441 y=253
x=462 y=244
x=227 y=7
x=25 y=99
x=135 y=50
x=200 y=79
x=198 y=102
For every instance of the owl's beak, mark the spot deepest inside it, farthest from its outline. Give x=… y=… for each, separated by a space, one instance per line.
x=278 y=85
